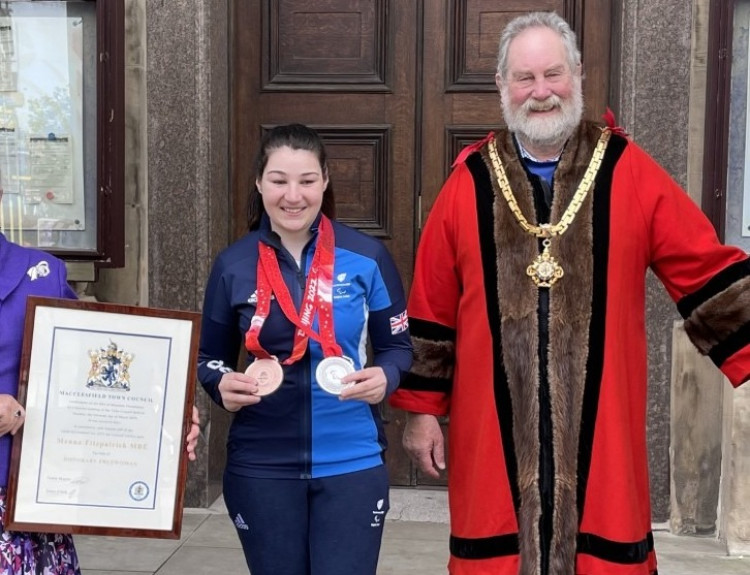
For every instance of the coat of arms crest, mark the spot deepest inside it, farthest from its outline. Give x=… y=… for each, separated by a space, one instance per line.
x=110 y=368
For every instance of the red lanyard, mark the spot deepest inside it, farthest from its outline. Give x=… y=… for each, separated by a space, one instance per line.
x=318 y=297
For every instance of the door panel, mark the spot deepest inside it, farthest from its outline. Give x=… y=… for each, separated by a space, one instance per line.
x=465 y=33
x=396 y=88
x=328 y=64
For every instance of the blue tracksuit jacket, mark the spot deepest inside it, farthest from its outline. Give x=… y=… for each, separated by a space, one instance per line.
x=300 y=431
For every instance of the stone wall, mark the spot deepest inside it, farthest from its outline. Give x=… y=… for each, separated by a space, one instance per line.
x=188 y=186
x=652 y=97
x=176 y=189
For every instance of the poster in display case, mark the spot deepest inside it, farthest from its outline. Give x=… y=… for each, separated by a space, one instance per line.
x=62 y=127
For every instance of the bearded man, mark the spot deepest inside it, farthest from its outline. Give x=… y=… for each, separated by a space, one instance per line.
x=527 y=315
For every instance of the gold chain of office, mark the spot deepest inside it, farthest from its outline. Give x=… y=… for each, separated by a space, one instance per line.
x=544 y=271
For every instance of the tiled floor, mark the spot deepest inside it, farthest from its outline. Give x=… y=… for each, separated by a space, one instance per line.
x=209 y=545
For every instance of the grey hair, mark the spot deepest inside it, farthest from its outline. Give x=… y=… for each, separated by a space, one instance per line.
x=537 y=20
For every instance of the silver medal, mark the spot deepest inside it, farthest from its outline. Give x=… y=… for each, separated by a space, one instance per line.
x=330 y=371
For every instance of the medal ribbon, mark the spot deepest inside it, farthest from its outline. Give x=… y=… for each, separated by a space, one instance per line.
x=318 y=298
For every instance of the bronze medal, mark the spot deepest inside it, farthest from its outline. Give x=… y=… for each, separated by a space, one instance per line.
x=268 y=373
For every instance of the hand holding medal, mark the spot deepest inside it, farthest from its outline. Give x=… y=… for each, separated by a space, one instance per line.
x=238 y=390
x=368 y=385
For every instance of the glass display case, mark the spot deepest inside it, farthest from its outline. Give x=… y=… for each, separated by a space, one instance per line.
x=62 y=127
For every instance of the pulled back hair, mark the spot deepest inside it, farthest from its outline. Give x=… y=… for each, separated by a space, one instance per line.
x=549 y=20
x=296 y=137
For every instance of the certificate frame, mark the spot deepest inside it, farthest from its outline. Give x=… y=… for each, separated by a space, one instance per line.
x=108 y=391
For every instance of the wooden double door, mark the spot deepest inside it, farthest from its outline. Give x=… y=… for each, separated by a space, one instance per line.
x=396 y=88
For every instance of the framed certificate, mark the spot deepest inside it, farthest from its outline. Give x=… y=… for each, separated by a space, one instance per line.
x=108 y=391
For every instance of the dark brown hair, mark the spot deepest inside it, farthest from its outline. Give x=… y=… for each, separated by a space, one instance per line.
x=297 y=137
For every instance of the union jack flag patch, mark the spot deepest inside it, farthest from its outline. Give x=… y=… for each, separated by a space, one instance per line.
x=399 y=323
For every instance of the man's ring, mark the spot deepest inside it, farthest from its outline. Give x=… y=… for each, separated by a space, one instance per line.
x=17 y=413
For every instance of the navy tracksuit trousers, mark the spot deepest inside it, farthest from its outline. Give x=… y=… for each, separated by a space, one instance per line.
x=325 y=526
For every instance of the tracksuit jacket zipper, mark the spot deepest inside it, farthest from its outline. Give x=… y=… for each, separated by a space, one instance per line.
x=297 y=290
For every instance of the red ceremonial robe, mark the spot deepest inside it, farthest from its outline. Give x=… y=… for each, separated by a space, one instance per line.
x=546 y=387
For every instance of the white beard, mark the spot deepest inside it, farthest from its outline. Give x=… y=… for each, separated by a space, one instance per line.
x=548 y=131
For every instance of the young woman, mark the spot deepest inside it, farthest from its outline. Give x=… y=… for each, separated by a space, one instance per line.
x=305 y=483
